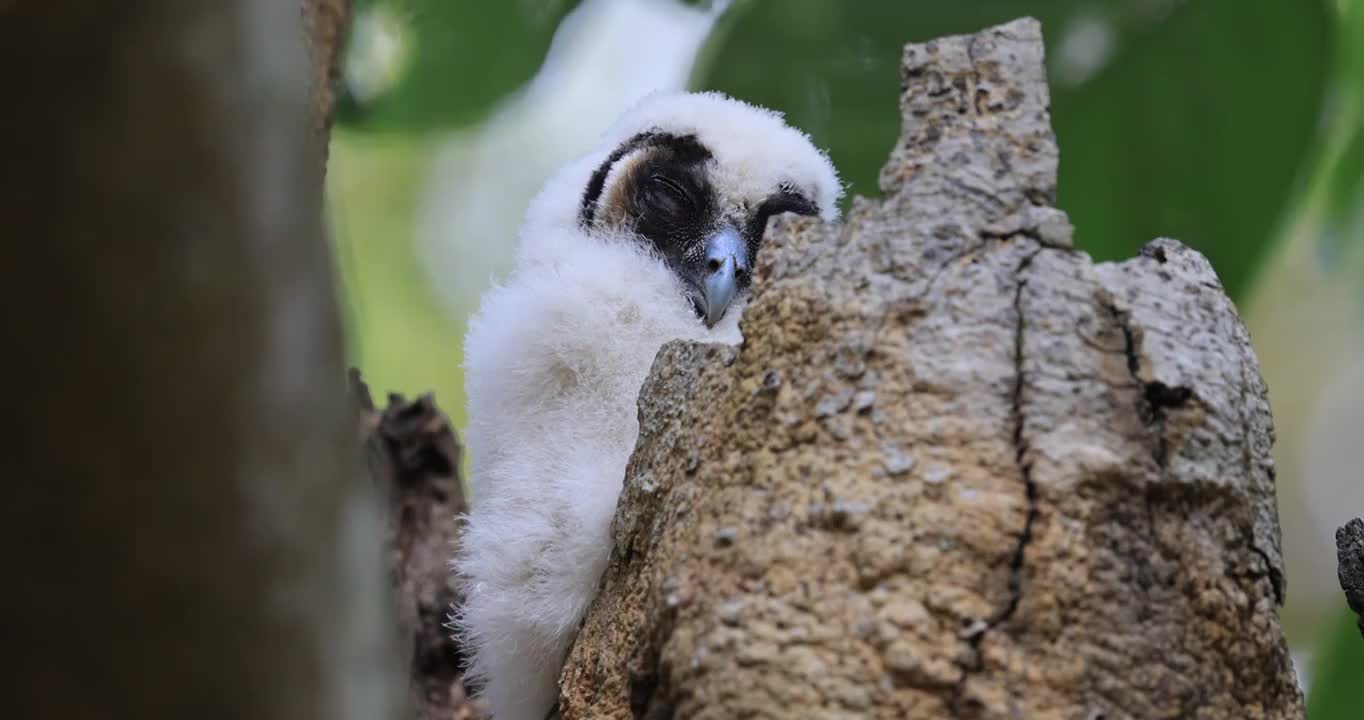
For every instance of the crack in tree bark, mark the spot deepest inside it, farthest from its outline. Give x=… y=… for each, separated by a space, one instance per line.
x=1021 y=445
x=1158 y=399
x=1277 y=583
x=1155 y=396
x=1275 y=578
x=1019 y=556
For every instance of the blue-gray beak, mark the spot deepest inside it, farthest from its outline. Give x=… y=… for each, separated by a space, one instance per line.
x=726 y=263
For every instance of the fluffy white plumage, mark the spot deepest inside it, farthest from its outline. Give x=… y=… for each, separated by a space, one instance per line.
x=554 y=362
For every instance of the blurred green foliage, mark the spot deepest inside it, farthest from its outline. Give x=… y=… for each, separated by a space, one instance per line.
x=458 y=58
x=1337 y=691
x=1342 y=154
x=1194 y=126
x=396 y=333
x=430 y=66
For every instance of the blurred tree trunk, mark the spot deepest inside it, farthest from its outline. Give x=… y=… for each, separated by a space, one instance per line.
x=186 y=534
x=956 y=470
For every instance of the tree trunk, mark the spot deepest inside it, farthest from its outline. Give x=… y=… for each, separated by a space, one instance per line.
x=186 y=530
x=956 y=469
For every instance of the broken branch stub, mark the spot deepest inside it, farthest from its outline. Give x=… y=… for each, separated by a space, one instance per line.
x=956 y=469
x=413 y=458
x=1350 y=565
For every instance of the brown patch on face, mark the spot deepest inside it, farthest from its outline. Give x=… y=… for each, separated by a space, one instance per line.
x=616 y=208
x=682 y=148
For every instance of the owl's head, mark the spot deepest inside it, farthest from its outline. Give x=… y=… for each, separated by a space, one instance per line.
x=693 y=178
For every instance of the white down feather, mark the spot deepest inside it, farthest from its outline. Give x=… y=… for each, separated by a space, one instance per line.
x=554 y=361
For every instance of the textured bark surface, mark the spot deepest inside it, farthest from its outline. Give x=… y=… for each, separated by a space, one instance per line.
x=414 y=460
x=186 y=532
x=325 y=24
x=956 y=469
x=1350 y=565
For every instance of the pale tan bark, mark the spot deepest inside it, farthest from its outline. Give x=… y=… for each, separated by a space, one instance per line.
x=956 y=470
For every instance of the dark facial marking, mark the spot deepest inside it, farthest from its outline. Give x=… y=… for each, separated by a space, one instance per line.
x=673 y=206
x=675 y=210
x=666 y=199
x=785 y=199
x=684 y=148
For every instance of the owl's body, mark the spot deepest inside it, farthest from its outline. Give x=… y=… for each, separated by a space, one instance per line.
x=648 y=239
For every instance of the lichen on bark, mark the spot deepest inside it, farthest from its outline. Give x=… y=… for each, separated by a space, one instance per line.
x=956 y=469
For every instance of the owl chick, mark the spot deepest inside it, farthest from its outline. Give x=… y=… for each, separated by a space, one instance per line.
x=650 y=238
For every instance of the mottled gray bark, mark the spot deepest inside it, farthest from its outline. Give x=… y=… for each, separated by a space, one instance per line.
x=956 y=469
x=1350 y=565
x=186 y=533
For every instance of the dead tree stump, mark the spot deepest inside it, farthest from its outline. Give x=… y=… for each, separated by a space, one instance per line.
x=956 y=468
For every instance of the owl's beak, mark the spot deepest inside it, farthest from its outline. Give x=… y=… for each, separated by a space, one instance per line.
x=725 y=272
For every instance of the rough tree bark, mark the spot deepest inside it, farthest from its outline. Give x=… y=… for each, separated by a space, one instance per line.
x=325 y=23
x=414 y=459
x=1350 y=565
x=185 y=531
x=956 y=469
